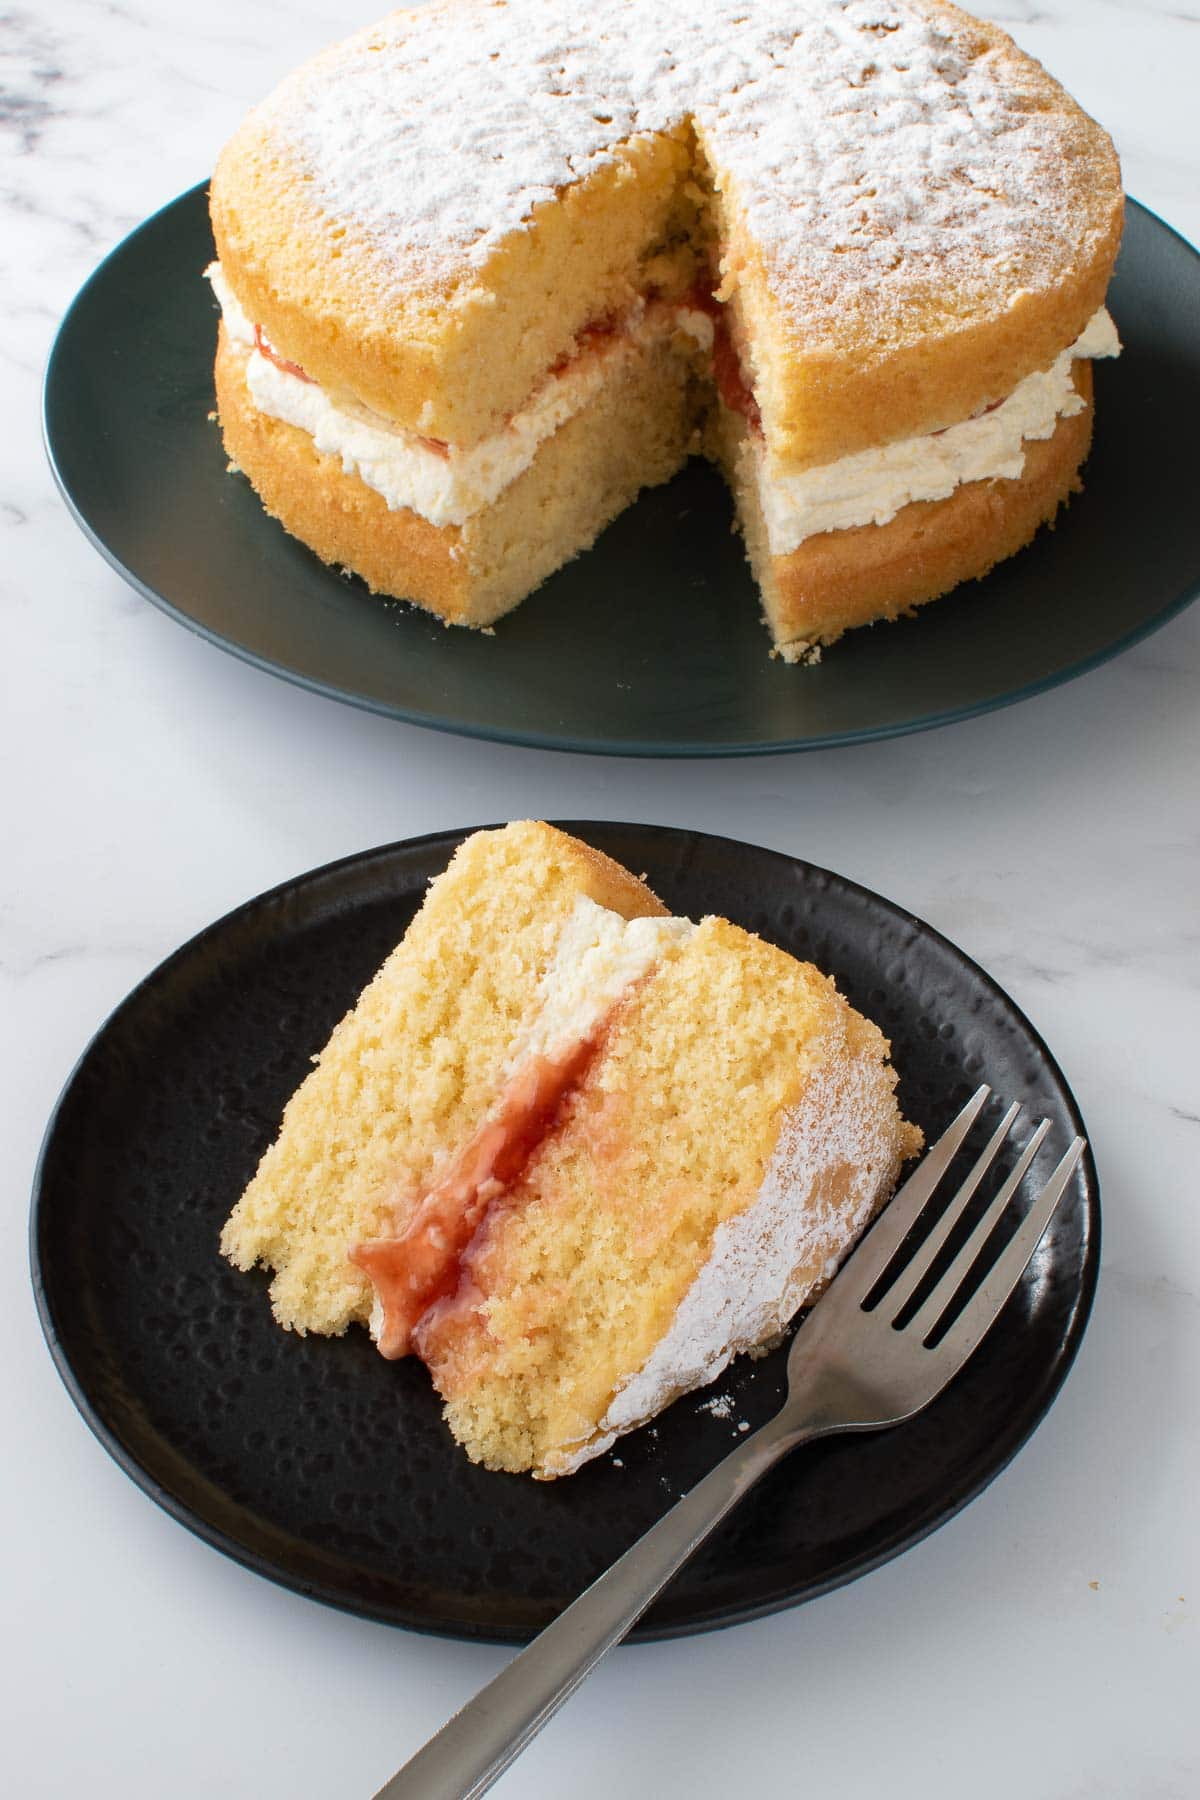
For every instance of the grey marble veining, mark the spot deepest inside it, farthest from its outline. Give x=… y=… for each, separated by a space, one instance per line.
x=1046 y=1641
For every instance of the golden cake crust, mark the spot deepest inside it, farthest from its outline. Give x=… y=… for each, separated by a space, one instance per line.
x=830 y=380
x=336 y=515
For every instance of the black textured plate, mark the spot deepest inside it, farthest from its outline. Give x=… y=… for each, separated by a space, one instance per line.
x=651 y=643
x=318 y=1464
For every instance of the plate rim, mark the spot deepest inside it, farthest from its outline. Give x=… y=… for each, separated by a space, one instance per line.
x=536 y=740
x=715 y=1617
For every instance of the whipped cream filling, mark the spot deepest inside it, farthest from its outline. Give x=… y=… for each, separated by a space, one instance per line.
x=449 y=485
x=870 y=487
x=599 y=956
x=446 y=486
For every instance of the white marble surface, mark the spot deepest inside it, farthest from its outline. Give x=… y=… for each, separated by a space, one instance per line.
x=1045 y=1642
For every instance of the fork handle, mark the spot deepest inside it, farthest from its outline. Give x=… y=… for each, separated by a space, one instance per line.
x=475 y=1747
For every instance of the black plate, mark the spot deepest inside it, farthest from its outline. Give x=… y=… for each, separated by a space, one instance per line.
x=651 y=643
x=316 y=1463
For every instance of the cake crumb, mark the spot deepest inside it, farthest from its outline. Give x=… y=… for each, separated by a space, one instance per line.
x=719 y=1407
x=1095 y=1586
x=743 y=1424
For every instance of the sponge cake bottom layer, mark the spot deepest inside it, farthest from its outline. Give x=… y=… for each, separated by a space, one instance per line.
x=836 y=580
x=635 y=433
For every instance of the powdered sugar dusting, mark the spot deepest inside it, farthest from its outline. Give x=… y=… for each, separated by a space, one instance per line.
x=834 y=1161
x=719 y=1407
x=869 y=143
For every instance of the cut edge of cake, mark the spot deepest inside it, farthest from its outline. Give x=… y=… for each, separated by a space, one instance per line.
x=413 y=1065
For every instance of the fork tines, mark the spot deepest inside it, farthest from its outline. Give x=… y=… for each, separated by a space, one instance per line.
x=887 y=1282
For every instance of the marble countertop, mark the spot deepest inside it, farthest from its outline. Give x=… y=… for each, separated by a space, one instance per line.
x=1045 y=1641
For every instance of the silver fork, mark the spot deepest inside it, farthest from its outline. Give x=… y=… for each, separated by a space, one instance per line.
x=850 y=1369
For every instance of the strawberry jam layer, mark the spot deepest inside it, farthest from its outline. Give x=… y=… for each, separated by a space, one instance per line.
x=594 y=334
x=438 y=446
x=424 y=1263
x=267 y=349
x=730 y=377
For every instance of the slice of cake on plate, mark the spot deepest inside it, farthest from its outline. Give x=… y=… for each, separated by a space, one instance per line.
x=578 y=1165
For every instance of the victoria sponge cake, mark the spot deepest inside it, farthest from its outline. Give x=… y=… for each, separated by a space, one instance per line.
x=572 y=1152
x=489 y=267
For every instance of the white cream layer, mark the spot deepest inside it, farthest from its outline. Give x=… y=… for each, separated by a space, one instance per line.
x=599 y=957
x=868 y=488
x=871 y=487
x=445 y=488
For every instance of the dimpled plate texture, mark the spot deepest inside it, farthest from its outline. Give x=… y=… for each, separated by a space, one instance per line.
x=320 y=1465
x=650 y=643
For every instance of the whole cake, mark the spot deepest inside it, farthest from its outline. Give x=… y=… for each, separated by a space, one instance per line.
x=491 y=266
x=572 y=1152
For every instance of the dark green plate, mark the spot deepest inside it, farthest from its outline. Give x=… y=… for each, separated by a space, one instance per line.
x=650 y=644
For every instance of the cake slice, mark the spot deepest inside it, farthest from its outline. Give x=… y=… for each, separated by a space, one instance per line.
x=572 y=1152
x=716 y=1152
x=407 y=1075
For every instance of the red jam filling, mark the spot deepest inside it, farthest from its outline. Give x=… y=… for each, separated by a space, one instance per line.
x=730 y=377
x=439 y=446
x=702 y=299
x=981 y=414
x=594 y=333
x=728 y=374
x=281 y=362
x=424 y=1263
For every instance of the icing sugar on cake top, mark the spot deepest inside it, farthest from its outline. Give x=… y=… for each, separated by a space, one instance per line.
x=874 y=140
x=901 y=218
